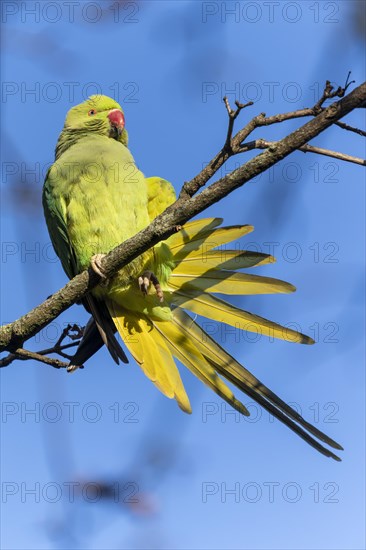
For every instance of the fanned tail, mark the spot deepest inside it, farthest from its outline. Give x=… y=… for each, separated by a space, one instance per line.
x=156 y=335
x=200 y=271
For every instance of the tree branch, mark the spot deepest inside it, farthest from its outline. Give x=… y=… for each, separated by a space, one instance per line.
x=25 y=354
x=12 y=336
x=333 y=154
x=74 y=332
x=232 y=116
x=351 y=129
x=233 y=145
x=263 y=144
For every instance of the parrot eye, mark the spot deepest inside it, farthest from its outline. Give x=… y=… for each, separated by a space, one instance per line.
x=92 y=112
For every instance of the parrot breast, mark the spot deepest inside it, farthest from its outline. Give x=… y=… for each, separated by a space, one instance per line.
x=104 y=197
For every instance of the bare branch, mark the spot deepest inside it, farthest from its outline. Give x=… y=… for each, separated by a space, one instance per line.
x=187 y=206
x=263 y=144
x=74 y=332
x=190 y=188
x=232 y=116
x=25 y=354
x=351 y=128
x=233 y=145
x=333 y=154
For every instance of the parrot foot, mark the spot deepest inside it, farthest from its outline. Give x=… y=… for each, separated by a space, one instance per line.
x=95 y=264
x=144 y=283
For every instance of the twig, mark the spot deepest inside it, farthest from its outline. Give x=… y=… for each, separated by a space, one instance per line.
x=330 y=93
x=25 y=354
x=345 y=126
x=190 y=188
x=263 y=144
x=232 y=116
x=333 y=154
x=59 y=349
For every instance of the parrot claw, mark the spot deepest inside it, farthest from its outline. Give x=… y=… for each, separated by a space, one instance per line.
x=95 y=264
x=144 y=283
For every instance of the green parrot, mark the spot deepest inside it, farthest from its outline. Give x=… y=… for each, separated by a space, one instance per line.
x=94 y=198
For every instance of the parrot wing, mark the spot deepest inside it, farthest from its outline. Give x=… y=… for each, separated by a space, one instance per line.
x=55 y=214
x=161 y=194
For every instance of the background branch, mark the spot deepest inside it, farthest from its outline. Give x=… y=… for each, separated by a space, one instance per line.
x=12 y=336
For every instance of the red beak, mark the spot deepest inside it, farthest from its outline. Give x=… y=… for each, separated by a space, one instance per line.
x=117 y=119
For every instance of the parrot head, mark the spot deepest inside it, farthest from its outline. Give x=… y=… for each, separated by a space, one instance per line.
x=98 y=114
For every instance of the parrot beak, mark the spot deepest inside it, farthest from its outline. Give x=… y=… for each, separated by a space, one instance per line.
x=117 y=122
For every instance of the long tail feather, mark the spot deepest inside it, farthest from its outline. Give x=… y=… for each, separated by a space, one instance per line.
x=196 y=235
x=228 y=367
x=219 y=310
x=183 y=349
x=106 y=328
x=197 y=265
x=230 y=282
x=90 y=343
x=150 y=352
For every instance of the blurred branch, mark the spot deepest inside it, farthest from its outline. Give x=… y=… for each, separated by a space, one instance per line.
x=12 y=336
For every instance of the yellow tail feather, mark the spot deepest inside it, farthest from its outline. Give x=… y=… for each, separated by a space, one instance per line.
x=214 y=308
x=183 y=349
x=222 y=259
x=150 y=352
x=230 y=282
x=188 y=241
x=191 y=230
x=233 y=371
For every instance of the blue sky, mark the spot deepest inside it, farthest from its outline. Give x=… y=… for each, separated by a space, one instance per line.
x=169 y=64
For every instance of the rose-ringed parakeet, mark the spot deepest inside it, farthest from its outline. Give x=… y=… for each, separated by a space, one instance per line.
x=94 y=198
